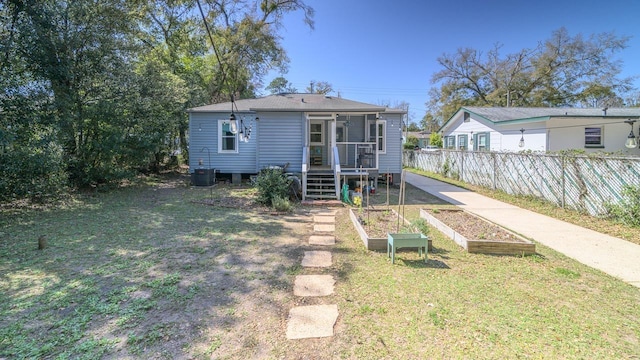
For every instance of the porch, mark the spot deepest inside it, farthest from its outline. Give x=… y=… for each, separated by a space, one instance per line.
x=339 y=147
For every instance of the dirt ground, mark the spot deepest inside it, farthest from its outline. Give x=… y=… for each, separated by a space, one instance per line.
x=472 y=227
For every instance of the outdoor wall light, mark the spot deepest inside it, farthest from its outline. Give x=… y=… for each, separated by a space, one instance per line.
x=521 y=143
x=233 y=123
x=471 y=139
x=243 y=130
x=631 y=142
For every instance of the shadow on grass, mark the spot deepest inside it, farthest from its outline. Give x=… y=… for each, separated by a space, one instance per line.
x=142 y=269
x=430 y=264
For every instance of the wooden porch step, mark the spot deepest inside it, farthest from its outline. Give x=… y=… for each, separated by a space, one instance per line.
x=322 y=197
x=311 y=192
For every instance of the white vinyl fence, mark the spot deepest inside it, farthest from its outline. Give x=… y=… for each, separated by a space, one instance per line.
x=580 y=182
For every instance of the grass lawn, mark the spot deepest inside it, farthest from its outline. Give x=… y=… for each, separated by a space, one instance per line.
x=149 y=272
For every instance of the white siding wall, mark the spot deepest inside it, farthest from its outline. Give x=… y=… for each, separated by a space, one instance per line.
x=554 y=135
x=569 y=134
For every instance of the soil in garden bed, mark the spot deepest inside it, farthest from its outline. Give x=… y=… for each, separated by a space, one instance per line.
x=472 y=227
x=380 y=222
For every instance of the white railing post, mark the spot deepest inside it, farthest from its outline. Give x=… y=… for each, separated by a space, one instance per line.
x=305 y=169
x=336 y=170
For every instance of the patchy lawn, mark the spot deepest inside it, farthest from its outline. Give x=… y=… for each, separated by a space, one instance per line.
x=148 y=272
x=169 y=271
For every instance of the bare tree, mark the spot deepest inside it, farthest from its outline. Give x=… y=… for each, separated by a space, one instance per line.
x=561 y=71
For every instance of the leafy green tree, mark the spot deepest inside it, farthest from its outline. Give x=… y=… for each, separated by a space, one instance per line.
x=281 y=85
x=435 y=139
x=100 y=88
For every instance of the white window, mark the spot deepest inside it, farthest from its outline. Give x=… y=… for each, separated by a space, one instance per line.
x=377 y=133
x=450 y=142
x=462 y=142
x=316 y=133
x=382 y=136
x=227 y=141
x=593 y=137
x=482 y=142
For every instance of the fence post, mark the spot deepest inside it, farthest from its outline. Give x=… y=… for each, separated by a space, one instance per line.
x=493 y=155
x=462 y=165
x=563 y=180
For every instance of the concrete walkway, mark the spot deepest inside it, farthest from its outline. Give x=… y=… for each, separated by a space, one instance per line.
x=611 y=255
x=315 y=321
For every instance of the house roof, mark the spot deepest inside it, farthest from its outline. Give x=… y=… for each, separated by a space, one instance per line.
x=419 y=134
x=504 y=115
x=296 y=102
x=501 y=114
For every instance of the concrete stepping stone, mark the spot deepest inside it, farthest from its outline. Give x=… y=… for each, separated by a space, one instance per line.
x=324 y=228
x=323 y=219
x=322 y=240
x=312 y=321
x=313 y=285
x=316 y=259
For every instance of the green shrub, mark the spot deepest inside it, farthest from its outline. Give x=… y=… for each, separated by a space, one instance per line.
x=421 y=225
x=272 y=183
x=628 y=211
x=34 y=172
x=446 y=167
x=281 y=204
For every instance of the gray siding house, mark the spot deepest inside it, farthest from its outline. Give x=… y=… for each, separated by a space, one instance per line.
x=325 y=140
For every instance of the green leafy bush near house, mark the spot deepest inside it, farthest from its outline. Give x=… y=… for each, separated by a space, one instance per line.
x=281 y=204
x=411 y=142
x=271 y=184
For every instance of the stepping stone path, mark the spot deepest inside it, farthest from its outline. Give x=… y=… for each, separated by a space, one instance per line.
x=322 y=240
x=316 y=259
x=311 y=321
x=313 y=285
x=316 y=320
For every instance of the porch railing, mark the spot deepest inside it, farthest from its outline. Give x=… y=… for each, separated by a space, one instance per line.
x=336 y=169
x=357 y=155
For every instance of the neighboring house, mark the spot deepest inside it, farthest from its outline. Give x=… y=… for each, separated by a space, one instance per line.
x=422 y=136
x=326 y=140
x=541 y=129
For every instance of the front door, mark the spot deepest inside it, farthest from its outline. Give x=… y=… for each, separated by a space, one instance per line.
x=317 y=143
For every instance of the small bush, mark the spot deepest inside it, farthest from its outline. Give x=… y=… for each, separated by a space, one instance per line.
x=281 y=204
x=272 y=183
x=628 y=211
x=421 y=225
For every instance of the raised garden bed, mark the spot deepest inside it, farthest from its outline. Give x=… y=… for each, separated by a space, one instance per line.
x=476 y=234
x=373 y=226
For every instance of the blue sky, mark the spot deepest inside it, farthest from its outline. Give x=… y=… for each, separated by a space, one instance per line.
x=385 y=51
